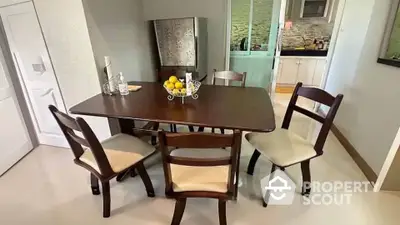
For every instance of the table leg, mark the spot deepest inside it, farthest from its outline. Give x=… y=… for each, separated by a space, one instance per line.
x=126 y=126
x=154 y=138
x=235 y=194
x=191 y=128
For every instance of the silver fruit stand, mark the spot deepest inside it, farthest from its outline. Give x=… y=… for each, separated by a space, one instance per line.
x=194 y=85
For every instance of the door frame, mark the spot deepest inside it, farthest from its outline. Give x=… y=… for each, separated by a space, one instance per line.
x=281 y=27
x=332 y=46
x=391 y=163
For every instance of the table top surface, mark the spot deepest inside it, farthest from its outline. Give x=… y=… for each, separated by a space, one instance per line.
x=247 y=109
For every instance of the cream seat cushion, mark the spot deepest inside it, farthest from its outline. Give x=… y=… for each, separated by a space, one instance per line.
x=122 y=151
x=196 y=178
x=282 y=147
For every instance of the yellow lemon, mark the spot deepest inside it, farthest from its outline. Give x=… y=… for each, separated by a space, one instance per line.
x=173 y=79
x=170 y=86
x=178 y=85
x=166 y=83
x=175 y=91
x=183 y=91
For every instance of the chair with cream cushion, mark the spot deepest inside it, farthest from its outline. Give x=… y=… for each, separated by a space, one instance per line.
x=200 y=168
x=106 y=160
x=285 y=148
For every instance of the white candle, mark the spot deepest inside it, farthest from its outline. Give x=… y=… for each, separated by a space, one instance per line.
x=109 y=73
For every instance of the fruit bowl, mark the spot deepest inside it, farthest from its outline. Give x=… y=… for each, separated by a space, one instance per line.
x=194 y=85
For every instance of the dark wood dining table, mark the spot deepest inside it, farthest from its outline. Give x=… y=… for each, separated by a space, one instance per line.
x=228 y=107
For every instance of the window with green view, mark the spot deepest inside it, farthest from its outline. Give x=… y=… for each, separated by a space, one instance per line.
x=393 y=51
x=251 y=19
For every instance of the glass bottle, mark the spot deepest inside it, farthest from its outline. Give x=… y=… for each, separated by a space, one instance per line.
x=122 y=85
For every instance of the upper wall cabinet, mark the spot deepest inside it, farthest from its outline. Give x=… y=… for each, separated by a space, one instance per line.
x=322 y=9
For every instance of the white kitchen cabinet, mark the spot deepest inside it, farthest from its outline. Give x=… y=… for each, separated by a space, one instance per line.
x=319 y=72
x=307 y=70
x=288 y=73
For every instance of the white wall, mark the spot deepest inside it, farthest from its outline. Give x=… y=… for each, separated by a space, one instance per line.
x=117 y=29
x=213 y=10
x=66 y=34
x=370 y=114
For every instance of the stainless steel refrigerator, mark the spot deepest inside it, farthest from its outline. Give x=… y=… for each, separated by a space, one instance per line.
x=182 y=44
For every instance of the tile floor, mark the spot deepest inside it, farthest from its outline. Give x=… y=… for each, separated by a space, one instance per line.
x=46 y=188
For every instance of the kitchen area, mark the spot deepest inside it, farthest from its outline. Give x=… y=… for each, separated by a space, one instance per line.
x=305 y=43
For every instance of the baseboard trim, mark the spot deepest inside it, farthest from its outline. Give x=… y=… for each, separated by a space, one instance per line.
x=358 y=159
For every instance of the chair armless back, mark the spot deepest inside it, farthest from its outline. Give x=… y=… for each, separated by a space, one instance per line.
x=320 y=96
x=229 y=76
x=203 y=141
x=89 y=140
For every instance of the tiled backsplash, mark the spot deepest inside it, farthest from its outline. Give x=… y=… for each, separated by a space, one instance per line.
x=309 y=29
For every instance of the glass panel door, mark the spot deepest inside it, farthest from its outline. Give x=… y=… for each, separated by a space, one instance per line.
x=254 y=32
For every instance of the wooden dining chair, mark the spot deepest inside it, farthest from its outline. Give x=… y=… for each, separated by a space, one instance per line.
x=199 y=168
x=105 y=160
x=227 y=77
x=285 y=148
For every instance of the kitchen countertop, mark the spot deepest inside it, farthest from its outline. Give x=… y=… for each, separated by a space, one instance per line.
x=305 y=52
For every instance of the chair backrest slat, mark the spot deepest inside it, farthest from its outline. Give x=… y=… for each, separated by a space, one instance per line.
x=78 y=139
x=195 y=140
x=317 y=95
x=68 y=121
x=309 y=114
x=230 y=76
x=320 y=96
x=68 y=125
x=185 y=161
x=200 y=141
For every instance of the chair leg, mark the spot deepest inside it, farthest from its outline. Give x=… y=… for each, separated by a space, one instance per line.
x=178 y=212
x=222 y=212
x=154 y=138
x=133 y=173
x=106 y=199
x=191 y=128
x=306 y=174
x=201 y=129
x=146 y=180
x=213 y=130
x=267 y=193
x=253 y=161
x=222 y=131
x=122 y=176
x=94 y=181
x=172 y=128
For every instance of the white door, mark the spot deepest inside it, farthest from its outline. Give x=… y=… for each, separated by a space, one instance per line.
x=34 y=69
x=14 y=138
